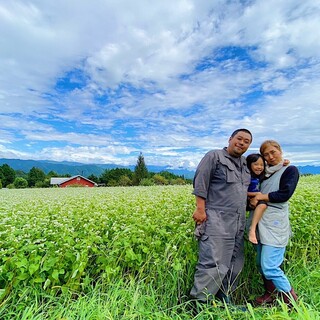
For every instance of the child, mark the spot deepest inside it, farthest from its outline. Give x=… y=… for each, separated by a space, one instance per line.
x=256 y=165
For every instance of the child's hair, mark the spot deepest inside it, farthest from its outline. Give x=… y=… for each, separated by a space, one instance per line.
x=253 y=157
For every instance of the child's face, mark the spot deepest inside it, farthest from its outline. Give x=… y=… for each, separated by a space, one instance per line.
x=257 y=167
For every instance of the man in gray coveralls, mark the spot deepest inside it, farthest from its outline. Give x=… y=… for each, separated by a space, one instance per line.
x=220 y=185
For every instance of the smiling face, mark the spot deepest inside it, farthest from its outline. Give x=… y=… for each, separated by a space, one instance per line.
x=239 y=144
x=257 y=167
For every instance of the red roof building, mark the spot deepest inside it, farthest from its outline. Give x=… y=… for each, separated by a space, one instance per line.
x=72 y=181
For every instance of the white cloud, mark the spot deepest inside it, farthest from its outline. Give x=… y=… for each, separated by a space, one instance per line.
x=143 y=87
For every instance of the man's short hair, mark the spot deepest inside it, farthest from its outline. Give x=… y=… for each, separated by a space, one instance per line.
x=243 y=130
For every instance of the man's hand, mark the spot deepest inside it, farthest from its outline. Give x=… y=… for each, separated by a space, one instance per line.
x=199 y=215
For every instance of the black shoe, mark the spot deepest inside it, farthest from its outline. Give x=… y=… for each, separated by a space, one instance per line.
x=220 y=295
x=228 y=302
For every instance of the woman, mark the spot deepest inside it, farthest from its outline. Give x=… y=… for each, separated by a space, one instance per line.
x=274 y=227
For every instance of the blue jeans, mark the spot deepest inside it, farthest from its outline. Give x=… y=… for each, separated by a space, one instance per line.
x=269 y=260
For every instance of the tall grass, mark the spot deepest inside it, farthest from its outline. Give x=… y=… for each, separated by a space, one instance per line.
x=135 y=299
x=154 y=279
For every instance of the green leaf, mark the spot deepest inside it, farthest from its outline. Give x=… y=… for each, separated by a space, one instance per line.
x=22 y=276
x=46 y=284
x=23 y=263
x=55 y=274
x=33 y=268
x=74 y=273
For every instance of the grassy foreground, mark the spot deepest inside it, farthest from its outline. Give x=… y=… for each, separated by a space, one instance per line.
x=129 y=253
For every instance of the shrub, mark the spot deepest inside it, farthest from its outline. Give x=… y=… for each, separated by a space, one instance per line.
x=20 y=183
x=160 y=180
x=146 y=182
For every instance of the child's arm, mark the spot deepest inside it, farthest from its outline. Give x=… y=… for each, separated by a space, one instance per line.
x=257 y=215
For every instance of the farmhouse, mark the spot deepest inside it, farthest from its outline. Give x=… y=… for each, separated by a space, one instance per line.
x=71 y=181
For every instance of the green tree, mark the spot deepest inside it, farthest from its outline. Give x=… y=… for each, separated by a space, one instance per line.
x=112 y=183
x=168 y=175
x=52 y=174
x=179 y=181
x=46 y=183
x=1 y=177
x=93 y=178
x=147 y=182
x=36 y=176
x=140 y=170
x=160 y=180
x=112 y=177
x=8 y=175
x=125 y=181
x=20 y=183
x=21 y=174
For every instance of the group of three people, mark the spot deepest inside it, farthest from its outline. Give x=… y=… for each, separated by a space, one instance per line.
x=221 y=186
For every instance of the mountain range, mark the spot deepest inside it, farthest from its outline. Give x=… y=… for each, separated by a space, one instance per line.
x=75 y=168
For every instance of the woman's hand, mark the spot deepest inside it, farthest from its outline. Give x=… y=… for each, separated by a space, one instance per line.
x=253 y=202
x=259 y=197
x=286 y=162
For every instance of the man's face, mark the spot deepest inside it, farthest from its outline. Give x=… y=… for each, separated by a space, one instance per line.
x=239 y=144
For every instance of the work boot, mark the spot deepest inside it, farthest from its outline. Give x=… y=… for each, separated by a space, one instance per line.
x=225 y=299
x=269 y=295
x=220 y=295
x=287 y=297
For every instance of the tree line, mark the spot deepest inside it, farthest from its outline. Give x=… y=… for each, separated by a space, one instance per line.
x=37 y=178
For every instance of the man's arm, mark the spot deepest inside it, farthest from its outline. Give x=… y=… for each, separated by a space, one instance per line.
x=199 y=215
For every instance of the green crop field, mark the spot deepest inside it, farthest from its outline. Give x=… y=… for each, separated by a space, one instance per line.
x=129 y=253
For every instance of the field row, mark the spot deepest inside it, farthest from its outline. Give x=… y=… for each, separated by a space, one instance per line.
x=69 y=238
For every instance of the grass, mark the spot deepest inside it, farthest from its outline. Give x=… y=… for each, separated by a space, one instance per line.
x=158 y=288
x=138 y=298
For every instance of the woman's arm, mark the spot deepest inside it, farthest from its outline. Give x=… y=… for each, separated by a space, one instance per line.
x=288 y=184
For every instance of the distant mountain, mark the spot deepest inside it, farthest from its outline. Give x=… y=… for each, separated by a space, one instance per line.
x=188 y=174
x=58 y=167
x=309 y=169
x=75 y=168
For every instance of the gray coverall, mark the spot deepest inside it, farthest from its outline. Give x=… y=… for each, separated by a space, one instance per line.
x=222 y=180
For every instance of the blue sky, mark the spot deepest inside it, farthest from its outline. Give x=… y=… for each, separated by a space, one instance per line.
x=101 y=81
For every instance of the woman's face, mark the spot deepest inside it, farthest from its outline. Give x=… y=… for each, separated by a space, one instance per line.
x=257 y=167
x=272 y=155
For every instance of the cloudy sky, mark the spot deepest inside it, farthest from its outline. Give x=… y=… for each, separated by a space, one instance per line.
x=101 y=81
